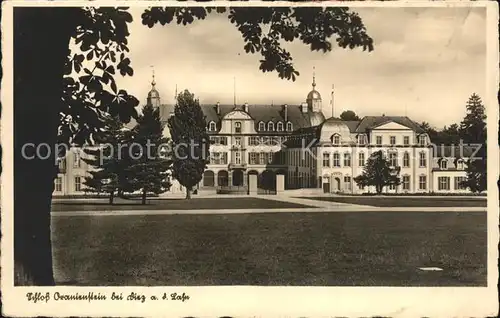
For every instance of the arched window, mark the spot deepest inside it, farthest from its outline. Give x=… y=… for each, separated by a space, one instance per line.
x=289 y=126
x=237 y=127
x=460 y=164
x=444 y=164
x=280 y=126
x=211 y=126
x=336 y=139
x=262 y=126
x=270 y=126
x=406 y=159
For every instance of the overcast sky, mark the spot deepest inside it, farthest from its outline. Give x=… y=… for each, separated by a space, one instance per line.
x=425 y=65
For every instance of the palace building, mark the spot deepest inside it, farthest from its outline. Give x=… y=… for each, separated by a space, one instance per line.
x=308 y=149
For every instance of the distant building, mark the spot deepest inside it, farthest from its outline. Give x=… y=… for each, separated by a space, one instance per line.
x=268 y=139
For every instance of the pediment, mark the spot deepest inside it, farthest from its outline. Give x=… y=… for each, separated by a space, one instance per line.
x=391 y=125
x=237 y=114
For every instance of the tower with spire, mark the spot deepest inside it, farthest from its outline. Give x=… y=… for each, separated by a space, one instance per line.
x=153 y=95
x=314 y=97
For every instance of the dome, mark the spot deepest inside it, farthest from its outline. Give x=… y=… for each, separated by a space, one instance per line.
x=333 y=127
x=314 y=94
x=153 y=93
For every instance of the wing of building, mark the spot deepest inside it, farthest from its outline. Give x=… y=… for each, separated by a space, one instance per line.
x=296 y=140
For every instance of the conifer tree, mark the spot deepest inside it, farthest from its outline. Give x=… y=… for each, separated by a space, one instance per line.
x=109 y=173
x=190 y=141
x=473 y=132
x=149 y=166
x=378 y=173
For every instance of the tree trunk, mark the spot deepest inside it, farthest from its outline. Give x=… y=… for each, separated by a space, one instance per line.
x=144 y=196
x=188 y=193
x=40 y=49
x=111 y=196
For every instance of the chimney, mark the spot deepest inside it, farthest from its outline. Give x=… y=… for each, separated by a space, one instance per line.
x=245 y=107
x=285 y=111
x=217 y=108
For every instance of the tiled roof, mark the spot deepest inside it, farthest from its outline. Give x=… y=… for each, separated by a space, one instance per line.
x=370 y=122
x=259 y=113
x=464 y=151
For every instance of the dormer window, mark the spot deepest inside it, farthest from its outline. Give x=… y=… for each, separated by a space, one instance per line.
x=262 y=126
x=444 y=164
x=336 y=139
x=289 y=126
x=270 y=126
x=212 y=126
x=460 y=164
x=237 y=127
x=280 y=126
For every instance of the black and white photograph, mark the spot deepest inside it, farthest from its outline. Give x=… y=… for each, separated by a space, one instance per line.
x=250 y=158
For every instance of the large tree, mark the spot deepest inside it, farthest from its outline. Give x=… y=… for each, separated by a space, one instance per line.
x=378 y=173
x=473 y=132
x=349 y=115
x=52 y=104
x=109 y=160
x=191 y=145
x=148 y=171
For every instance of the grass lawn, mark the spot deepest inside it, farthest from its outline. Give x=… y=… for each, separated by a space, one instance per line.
x=406 y=202
x=315 y=249
x=174 y=204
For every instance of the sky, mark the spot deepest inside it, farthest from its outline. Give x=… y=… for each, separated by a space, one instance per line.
x=425 y=64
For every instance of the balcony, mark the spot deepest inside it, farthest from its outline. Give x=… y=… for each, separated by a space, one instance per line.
x=237 y=166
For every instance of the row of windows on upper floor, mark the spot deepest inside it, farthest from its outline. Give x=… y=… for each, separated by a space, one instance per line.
x=252 y=140
x=379 y=140
x=279 y=127
x=334 y=160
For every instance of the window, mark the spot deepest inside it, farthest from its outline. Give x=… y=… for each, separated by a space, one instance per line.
x=62 y=164
x=336 y=159
x=237 y=141
x=218 y=158
x=406 y=160
x=218 y=140
x=58 y=185
x=211 y=126
x=252 y=158
x=459 y=183
x=77 y=160
x=347 y=183
x=270 y=126
x=392 y=186
x=393 y=159
x=326 y=159
x=270 y=157
x=237 y=127
x=361 y=139
x=422 y=140
x=289 y=126
x=262 y=158
x=443 y=164
x=361 y=159
x=422 y=160
x=379 y=140
x=336 y=139
x=237 y=157
x=443 y=183
x=406 y=183
x=280 y=126
x=406 y=140
x=422 y=182
x=78 y=184
x=393 y=140
x=254 y=141
x=460 y=164
x=347 y=159
x=262 y=126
